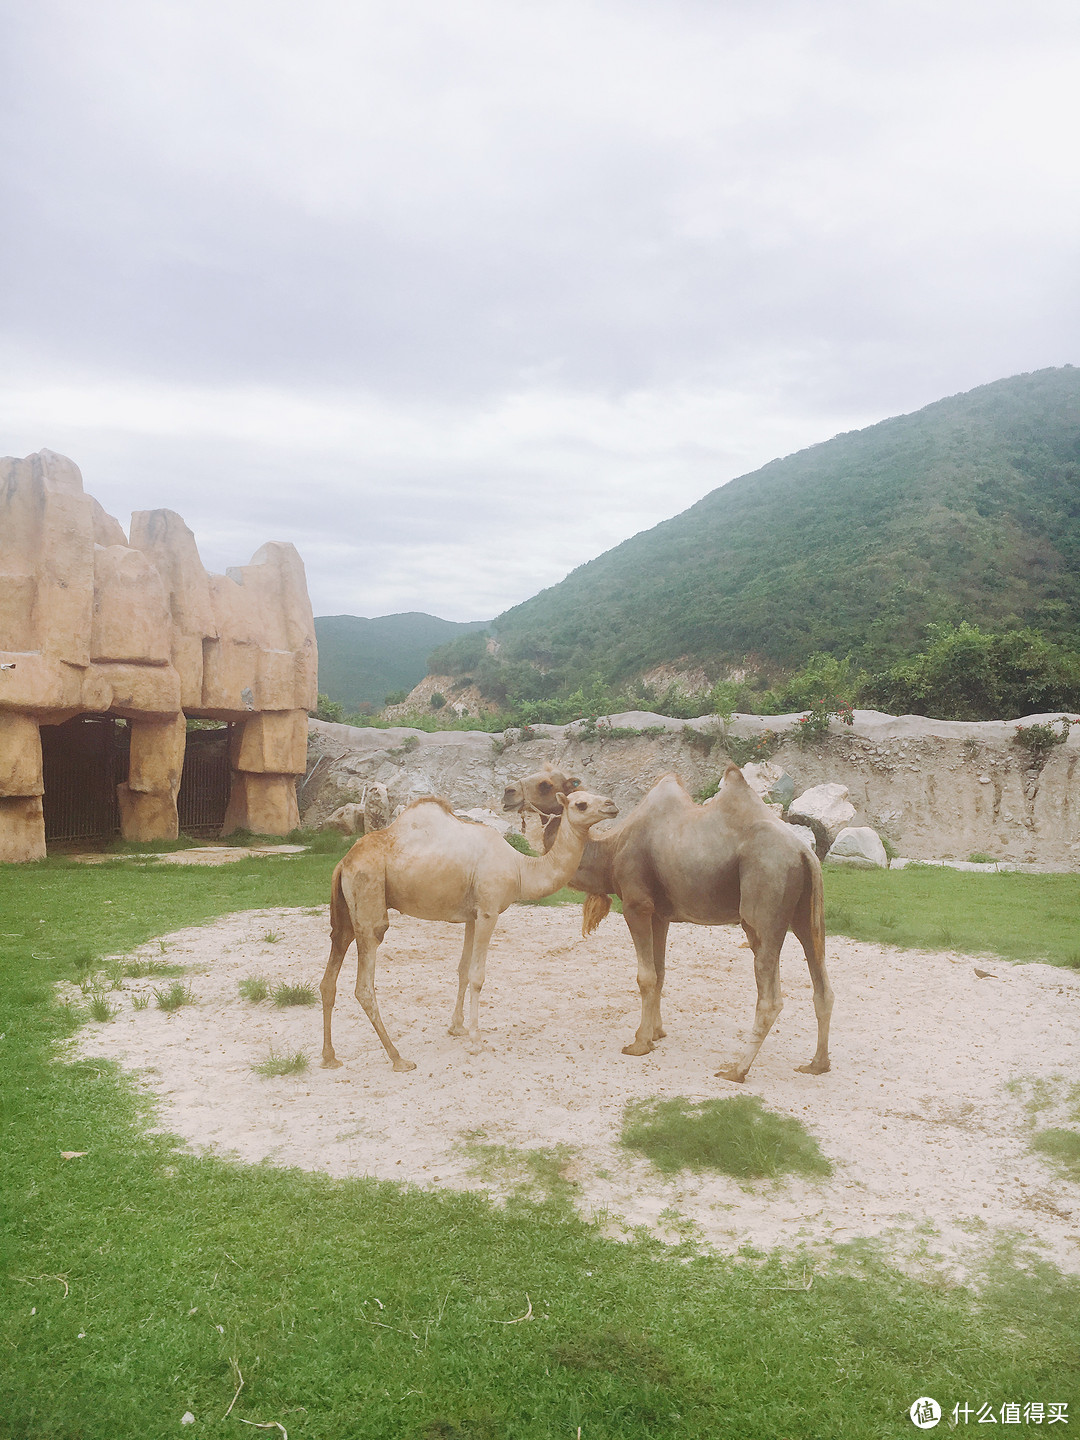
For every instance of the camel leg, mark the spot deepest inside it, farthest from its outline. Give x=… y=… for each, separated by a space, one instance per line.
x=639 y=919
x=769 y=1000
x=485 y=925
x=341 y=937
x=823 y=997
x=367 y=945
x=340 y=940
x=457 y=1019
x=659 y=952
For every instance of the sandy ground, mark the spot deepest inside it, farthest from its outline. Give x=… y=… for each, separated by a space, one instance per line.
x=931 y=1150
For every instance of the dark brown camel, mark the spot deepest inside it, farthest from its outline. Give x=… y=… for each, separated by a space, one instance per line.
x=729 y=861
x=537 y=793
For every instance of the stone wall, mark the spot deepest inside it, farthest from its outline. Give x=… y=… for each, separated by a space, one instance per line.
x=92 y=622
x=937 y=789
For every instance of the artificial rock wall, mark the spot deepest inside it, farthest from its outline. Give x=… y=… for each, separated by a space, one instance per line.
x=95 y=622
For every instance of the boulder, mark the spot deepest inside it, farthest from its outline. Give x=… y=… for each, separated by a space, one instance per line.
x=20 y=756
x=348 y=819
x=806 y=835
x=263 y=804
x=859 y=845
x=145 y=817
x=22 y=829
x=376 y=808
x=271 y=742
x=131 y=616
x=826 y=810
x=771 y=782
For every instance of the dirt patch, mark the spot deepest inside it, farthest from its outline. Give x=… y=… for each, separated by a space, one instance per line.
x=930 y=1147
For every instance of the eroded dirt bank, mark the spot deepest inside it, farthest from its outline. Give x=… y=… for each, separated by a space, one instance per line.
x=937 y=789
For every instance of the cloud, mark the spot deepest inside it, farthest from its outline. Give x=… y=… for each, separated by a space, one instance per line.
x=458 y=296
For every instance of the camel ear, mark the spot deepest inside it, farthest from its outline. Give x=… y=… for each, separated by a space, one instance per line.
x=561 y=798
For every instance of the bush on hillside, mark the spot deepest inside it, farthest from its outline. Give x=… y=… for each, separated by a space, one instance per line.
x=970 y=674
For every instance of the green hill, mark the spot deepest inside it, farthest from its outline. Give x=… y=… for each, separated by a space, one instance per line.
x=966 y=510
x=363 y=660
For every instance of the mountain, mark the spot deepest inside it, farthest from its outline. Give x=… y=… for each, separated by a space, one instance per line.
x=363 y=660
x=967 y=509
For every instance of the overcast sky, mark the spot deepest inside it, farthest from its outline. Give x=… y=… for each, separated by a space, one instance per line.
x=456 y=296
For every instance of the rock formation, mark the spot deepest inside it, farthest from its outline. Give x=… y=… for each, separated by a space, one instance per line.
x=94 y=623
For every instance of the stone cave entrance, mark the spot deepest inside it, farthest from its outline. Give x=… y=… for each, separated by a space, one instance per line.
x=85 y=759
x=82 y=762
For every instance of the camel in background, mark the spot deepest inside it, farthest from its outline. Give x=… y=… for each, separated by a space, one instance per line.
x=433 y=866
x=536 y=795
x=729 y=861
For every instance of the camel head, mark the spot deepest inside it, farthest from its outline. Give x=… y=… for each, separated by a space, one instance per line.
x=583 y=809
x=540 y=791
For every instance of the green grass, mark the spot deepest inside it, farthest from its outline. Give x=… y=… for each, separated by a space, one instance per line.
x=291 y=1063
x=1062 y=1146
x=733 y=1136
x=931 y=907
x=293 y=995
x=254 y=988
x=138 y=1280
x=138 y=969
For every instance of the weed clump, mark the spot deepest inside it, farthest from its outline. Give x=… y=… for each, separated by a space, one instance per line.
x=254 y=988
x=100 y=1009
x=174 y=998
x=736 y=1136
x=274 y=1064
x=293 y=995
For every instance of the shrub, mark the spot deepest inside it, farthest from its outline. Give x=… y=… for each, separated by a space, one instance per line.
x=743 y=749
x=438 y=700
x=815 y=722
x=254 y=988
x=1038 y=740
x=327 y=709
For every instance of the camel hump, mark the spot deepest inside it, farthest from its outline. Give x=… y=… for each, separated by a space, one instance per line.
x=733 y=775
x=431 y=800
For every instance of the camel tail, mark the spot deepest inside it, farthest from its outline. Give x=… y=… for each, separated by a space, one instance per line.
x=817 y=907
x=593 y=911
x=340 y=919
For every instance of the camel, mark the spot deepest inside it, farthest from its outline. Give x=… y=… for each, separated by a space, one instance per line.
x=433 y=866
x=536 y=794
x=729 y=861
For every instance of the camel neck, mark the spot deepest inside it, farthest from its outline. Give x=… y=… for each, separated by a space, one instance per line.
x=593 y=874
x=543 y=875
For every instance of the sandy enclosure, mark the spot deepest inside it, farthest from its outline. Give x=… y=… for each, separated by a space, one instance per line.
x=931 y=1150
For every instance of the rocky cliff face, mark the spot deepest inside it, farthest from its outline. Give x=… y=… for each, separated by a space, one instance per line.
x=935 y=789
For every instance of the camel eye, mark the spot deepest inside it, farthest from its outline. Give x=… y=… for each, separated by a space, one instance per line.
x=581 y=805
x=544 y=787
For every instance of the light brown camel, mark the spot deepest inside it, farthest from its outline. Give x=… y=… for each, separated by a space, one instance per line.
x=433 y=866
x=729 y=861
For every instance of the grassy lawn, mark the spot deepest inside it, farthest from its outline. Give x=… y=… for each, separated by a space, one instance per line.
x=1019 y=917
x=141 y=1284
